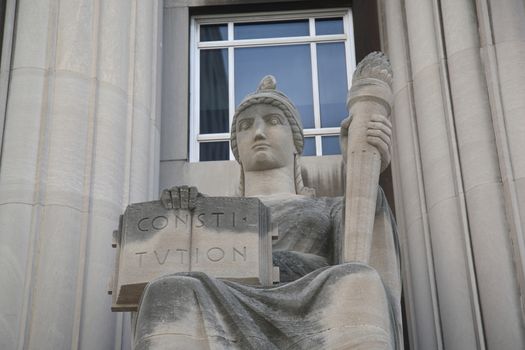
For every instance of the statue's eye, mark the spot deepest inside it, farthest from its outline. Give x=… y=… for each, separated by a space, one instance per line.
x=273 y=120
x=245 y=124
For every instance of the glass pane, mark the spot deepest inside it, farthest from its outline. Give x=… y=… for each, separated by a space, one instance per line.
x=325 y=26
x=214 y=91
x=279 y=29
x=309 y=146
x=214 y=151
x=214 y=32
x=333 y=87
x=331 y=145
x=289 y=64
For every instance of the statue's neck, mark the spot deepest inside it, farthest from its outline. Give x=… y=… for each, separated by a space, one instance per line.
x=269 y=182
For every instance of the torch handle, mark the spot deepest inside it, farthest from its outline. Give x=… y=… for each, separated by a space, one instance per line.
x=363 y=166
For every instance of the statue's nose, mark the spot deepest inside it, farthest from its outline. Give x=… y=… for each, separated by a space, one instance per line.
x=260 y=130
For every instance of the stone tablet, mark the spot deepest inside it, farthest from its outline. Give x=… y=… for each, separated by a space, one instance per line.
x=224 y=237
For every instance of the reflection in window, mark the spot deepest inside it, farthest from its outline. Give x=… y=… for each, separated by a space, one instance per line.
x=214 y=32
x=331 y=145
x=326 y=26
x=279 y=29
x=332 y=83
x=291 y=66
x=214 y=104
x=306 y=52
x=309 y=146
x=214 y=150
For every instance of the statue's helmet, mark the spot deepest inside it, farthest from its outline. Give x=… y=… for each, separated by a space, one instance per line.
x=266 y=93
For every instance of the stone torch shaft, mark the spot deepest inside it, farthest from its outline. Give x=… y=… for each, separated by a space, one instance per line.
x=368 y=96
x=362 y=180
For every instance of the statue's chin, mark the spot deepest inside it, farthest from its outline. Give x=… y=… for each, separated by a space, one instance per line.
x=262 y=161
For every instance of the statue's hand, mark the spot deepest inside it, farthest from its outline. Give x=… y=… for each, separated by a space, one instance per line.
x=379 y=135
x=180 y=197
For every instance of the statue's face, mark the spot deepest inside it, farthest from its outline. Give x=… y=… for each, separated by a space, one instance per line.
x=264 y=138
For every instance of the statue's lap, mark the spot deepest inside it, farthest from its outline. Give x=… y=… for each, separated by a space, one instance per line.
x=343 y=306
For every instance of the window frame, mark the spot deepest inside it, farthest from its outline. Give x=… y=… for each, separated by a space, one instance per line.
x=195 y=138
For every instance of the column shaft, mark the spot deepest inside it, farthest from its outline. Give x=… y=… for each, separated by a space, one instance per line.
x=81 y=142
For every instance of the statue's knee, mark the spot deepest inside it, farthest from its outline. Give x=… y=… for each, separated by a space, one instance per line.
x=356 y=269
x=360 y=281
x=171 y=288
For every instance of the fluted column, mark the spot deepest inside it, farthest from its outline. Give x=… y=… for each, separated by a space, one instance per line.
x=81 y=141
x=502 y=36
x=481 y=177
x=455 y=172
x=419 y=284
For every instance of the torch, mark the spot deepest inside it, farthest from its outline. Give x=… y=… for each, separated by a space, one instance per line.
x=371 y=93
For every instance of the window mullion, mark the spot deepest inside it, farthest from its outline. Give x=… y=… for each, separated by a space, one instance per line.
x=315 y=88
x=322 y=131
x=271 y=41
x=216 y=137
x=349 y=46
x=231 y=81
x=194 y=95
x=318 y=146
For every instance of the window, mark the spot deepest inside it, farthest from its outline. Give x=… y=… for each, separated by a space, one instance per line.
x=311 y=54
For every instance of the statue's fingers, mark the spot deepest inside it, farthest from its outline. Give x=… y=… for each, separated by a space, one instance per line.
x=175 y=197
x=379 y=134
x=379 y=126
x=193 y=197
x=381 y=146
x=184 y=194
x=343 y=143
x=379 y=118
x=165 y=199
x=345 y=124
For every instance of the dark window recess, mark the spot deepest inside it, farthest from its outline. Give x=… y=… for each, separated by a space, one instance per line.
x=291 y=66
x=327 y=26
x=214 y=32
x=276 y=29
x=333 y=84
x=309 y=146
x=213 y=104
x=214 y=151
x=331 y=145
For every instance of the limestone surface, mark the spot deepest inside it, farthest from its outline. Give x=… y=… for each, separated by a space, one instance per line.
x=325 y=300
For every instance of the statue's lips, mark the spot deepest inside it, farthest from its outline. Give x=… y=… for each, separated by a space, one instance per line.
x=261 y=146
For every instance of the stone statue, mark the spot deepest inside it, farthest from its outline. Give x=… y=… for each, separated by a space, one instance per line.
x=325 y=300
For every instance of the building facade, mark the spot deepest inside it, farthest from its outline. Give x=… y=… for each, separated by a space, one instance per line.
x=98 y=110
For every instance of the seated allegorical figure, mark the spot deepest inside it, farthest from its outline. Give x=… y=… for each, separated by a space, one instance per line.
x=321 y=302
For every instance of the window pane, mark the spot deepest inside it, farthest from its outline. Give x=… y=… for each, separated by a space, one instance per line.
x=214 y=151
x=331 y=145
x=325 y=26
x=309 y=146
x=332 y=83
x=270 y=29
x=214 y=32
x=291 y=66
x=214 y=91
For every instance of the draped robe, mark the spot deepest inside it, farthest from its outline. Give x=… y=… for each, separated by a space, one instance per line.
x=319 y=304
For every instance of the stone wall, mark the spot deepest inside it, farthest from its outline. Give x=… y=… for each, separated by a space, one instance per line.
x=458 y=168
x=81 y=141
